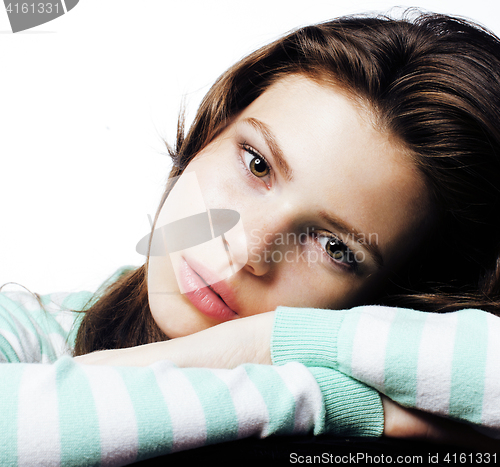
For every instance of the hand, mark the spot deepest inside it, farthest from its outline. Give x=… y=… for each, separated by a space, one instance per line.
x=248 y=340
x=400 y=422
x=227 y=345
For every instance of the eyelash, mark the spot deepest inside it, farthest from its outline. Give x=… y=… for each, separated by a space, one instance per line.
x=351 y=264
x=256 y=155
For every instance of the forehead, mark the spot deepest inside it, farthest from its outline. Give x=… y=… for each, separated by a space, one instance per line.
x=341 y=162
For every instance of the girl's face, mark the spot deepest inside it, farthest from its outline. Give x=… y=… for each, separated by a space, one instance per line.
x=328 y=205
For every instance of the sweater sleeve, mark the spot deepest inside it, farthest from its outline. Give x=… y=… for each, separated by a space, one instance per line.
x=446 y=364
x=38 y=328
x=54 y=410
x=73 y=414
x=41 y=328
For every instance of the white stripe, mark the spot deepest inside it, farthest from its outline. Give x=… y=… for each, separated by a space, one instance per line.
x=53 y=303
x=491 y=397
x=251 y=409
x=22 y=299
x=38 y=395
x=186 y=411
x=16 y=344
x=369 y=346
x=25 y=343
x=59 y=345
x=307 y=394
x=66 y=319
x=435 y=362
x=117 y=422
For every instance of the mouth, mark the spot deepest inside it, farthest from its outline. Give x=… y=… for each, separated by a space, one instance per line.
x=208 y=299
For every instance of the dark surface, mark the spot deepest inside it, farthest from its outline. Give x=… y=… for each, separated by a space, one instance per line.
x=285 y=451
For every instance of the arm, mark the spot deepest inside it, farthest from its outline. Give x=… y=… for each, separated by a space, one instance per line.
x=444 y=364
x=326 y=338
x=80 y=414
x=76 y=414
x=38 y=329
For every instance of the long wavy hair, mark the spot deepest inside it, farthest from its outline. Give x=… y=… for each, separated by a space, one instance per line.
x=433 y=81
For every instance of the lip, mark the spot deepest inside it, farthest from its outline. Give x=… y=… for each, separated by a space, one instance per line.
x=211 y=301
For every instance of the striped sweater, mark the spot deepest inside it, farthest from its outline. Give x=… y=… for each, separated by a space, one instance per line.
x=60 y=412
x=64 y=413
x=447 y=364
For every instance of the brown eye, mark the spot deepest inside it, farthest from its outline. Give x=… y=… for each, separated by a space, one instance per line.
x=259 y=167
x=335 y=249
x=338 y=251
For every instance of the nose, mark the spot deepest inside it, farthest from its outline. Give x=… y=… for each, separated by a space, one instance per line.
x=268 y=234
x=259 y=254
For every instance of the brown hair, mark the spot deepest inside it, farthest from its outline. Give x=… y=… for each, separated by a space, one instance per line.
x=434 y=83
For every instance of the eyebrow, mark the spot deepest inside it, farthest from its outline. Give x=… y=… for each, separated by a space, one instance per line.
x=342 y=227
x=273 y=145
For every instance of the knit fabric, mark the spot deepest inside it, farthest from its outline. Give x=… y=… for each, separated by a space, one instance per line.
x=446 y=364
x=60 y=412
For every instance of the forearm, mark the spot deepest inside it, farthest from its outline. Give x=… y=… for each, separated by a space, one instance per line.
x=436 y=363
x=85 y=414
x=227 y=345
x=316 y=338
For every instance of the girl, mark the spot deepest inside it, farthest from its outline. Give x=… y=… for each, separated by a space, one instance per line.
x=349 y=163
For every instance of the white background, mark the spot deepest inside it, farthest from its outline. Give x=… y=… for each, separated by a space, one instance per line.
x=85 y=101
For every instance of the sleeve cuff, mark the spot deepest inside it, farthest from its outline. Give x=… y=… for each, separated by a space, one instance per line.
x=351 y=407
x=306 y=335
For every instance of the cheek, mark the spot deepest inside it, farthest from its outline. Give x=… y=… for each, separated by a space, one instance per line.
x=303 y=285
x=218 y=180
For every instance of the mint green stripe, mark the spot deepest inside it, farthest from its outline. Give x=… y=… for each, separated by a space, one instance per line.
x=345 y=339
x=351 y=408
x=469 y=366
x=78 y=420
x=401 y=358
x=15 y=316
x=45 y=299
x=279 y=400
x=306 y=335
x=35 y=330
x=154 y=426
x=20 y=321
x=76 y=301
x=9 y=401
x=221 y=418
x=71 y=337
x=8 y=351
